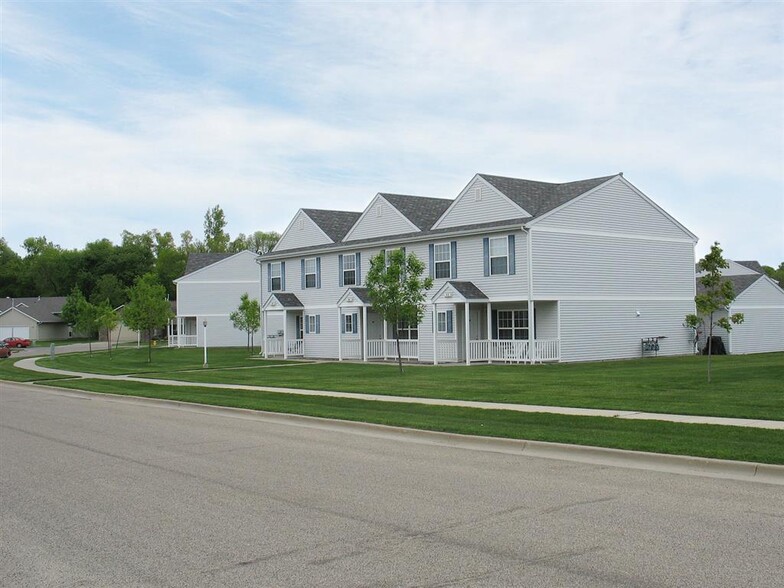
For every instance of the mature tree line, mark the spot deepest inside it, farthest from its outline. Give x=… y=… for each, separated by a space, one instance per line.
x=104 y=271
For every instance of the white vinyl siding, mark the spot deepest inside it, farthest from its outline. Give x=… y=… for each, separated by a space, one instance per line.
x=614 y=208
x=301 y=232
x=491 y=207
x=596 y=330
x=380 y=219
x=762 y=329
x=578 y=265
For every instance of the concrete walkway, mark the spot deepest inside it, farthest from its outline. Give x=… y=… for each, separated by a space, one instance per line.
x=30 y=364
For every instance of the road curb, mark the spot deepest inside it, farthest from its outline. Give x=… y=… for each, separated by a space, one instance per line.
x=678 y=464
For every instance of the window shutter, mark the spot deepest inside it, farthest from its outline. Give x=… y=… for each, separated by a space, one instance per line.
x=318 y=324
x=269 y=277
x=307 y=325
x=340 y=271
x=283 y=275
x=342 y=323
x=494 y=320
x=449 y=321
x=302 y=273
x=486 y=254
x=431 y=251
x=511 y=254
x=358 y=270
x=354 y=323
x=318 y=272
x=453 y=246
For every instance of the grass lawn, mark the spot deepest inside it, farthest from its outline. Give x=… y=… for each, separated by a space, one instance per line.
x=129 y=360
x=14 y=374
x=757 y=445
x=744 y=386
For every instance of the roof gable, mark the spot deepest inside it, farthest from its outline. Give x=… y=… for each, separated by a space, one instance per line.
x=197 y=261
x=479 y=202
x=302 y=231
x=422 y=211
x=334 y=223
x=230 y=267
x=380 y=219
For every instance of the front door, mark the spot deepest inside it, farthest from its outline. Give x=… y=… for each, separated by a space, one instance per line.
x=299 y=328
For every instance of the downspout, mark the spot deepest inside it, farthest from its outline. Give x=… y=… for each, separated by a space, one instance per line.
x=530 y=269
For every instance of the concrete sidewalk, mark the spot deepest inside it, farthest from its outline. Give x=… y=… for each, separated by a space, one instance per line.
x=30 y=364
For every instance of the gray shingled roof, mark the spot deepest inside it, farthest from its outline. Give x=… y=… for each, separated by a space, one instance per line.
x=752 y=265
x=42 y=308
x=197 y=261
x=288 y=300
x=335 y=223
x=420 y=210
x=362 y=294
x=739 y=283
x=468 y=290
x=538 y=198
x=403 y=237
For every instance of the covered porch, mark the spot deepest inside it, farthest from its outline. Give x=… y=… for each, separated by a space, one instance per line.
x=282 y=326
x=182 y=331
x=365 y=335
x=468 y=327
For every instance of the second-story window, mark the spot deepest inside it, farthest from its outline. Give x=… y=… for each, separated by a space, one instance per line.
x=276 y=281
x=349 y=270
x=442 y=258
x=310 y=272
x=499 y=256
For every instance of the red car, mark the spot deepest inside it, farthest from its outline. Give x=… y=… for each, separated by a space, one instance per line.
x=17 y=342
x=5 y=351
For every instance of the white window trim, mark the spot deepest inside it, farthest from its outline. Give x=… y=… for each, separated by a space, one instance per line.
x=311 y=330
x=525 y=329
x=273 y=277
x=348 y=324
x=492 y=257
x=313 y=273
x=438 y=323
x=448 y=260
x=353 y=270
x=407 y=330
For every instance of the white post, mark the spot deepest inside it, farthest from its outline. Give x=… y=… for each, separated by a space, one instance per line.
x=263 y=350
x=489 y=332
x=467 y=336
x=435 y=334
x=340 y=336
x=531 y=342
x=285 y=334
x=205 y=344
x=384 y=344
x=364 y=333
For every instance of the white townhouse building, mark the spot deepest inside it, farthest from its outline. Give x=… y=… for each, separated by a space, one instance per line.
x=761 y=301
x=210 y=290
x=524 y=271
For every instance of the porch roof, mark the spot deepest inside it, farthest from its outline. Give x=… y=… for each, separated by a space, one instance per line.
x=361 y=294
x=467 y=291
x=284 y=299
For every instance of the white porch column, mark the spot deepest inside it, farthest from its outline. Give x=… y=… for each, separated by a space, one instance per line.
x=285 y=334
x=435 y=334
x=532 y=341
x=264 y=333
x=340 y=336
x=384 y=345
x=364 y=333
x=180 y=328
x=467 y=336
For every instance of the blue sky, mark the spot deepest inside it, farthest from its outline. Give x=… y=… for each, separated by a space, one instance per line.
x=140 y=115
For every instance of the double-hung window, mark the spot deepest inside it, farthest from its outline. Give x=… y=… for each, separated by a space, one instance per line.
x=310 y=272
x=312 y=326
x=349 y=271
x=499 y=256
x=442 y=260
x=275 y=274
x=348 y=323
x=407 y=332
x=445 y=321
x=513 y=324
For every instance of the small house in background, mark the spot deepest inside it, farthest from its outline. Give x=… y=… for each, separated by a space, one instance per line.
x=210 y=290
x=37 y=318
x=761 y=301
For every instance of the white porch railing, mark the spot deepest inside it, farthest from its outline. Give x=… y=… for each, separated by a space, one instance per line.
x=352 y=348
x=273 y=347
x=183 y=341
x=547 y=349
x=296 y=347
x=513 y=351
x=387 y=349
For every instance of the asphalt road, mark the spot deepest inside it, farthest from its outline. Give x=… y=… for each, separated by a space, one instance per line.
x=105 y=492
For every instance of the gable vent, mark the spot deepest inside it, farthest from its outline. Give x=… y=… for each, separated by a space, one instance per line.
x=477 y=194
x=378 y=210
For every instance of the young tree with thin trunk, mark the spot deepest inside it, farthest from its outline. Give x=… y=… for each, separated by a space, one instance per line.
x=80 y=314
x=147 y=308
x=397 y=290
x=716 y=295
x=106 y=319
x=247 y=317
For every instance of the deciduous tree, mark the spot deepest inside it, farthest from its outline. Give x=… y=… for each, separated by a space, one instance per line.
x=397 y=290
x=147 y=308
x=716 y=295
x=247 y=317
